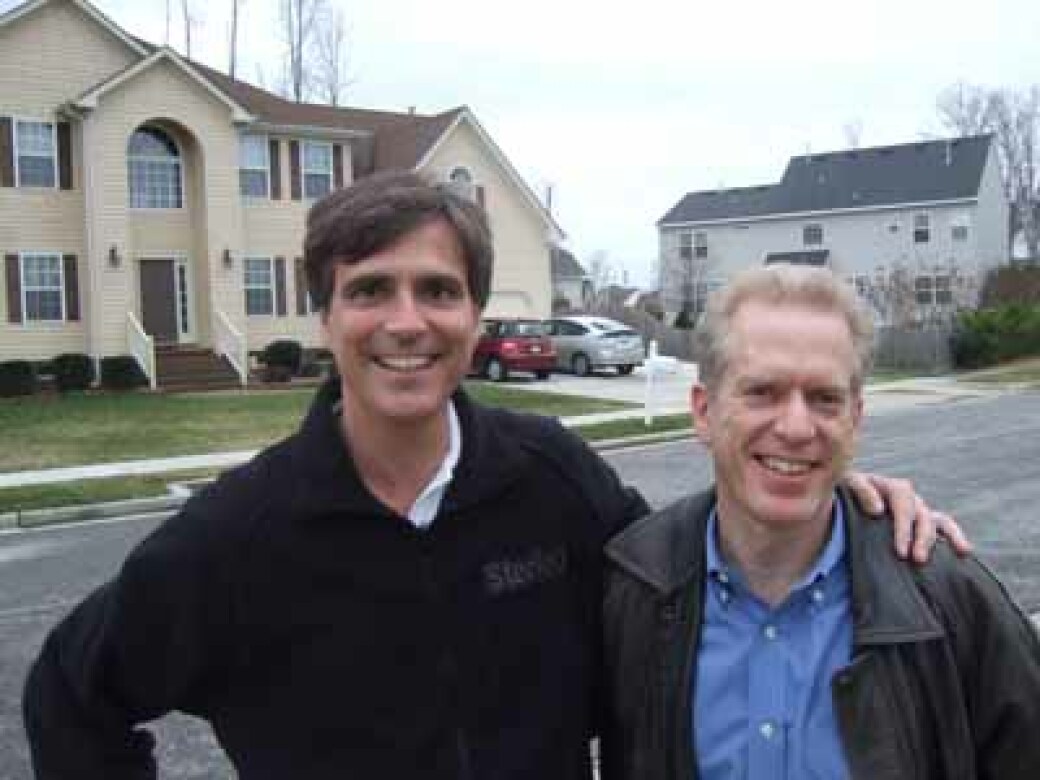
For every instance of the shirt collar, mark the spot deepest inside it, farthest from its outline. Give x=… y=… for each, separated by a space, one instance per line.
x=831 y=556
x=423 y=511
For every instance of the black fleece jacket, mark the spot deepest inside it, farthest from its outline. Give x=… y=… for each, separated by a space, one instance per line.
x=323 y=636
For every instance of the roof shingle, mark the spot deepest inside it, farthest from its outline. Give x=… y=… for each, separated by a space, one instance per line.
x=880 y=176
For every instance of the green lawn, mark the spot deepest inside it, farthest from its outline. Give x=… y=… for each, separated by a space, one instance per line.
x=52 y=431
x=99 y=490
x=1026 y=371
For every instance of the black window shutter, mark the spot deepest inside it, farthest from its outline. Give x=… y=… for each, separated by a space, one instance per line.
x=337 y=166
x=71 y=288
x=301 y=287
x=274 y=154
x=279 y=285
x=6 y=152
x=294 y=170
x=14 y=288
x=65 y=155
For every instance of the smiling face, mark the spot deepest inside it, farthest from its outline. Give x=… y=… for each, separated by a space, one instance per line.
x=782 y=422
x=402 y=325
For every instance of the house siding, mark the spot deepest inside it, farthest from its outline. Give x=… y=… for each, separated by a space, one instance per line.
x=210 y=220
x=48 y=57
x=521 y=284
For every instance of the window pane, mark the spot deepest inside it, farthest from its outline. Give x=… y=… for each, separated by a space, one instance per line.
x=258 y=271
x=317 y=158
x=151 y=142
x=155 y=184
x=315 y=185
x=259 y=300
x=461 y=176
x=253 y=152
x=35 y=172
x=35 y=138
x=253 y=184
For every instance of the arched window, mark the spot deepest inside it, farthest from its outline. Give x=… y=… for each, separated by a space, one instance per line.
x=153 y=170
x=462 y=182
x=461 y=176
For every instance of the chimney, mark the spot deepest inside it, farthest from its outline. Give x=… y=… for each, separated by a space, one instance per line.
x=411 y=110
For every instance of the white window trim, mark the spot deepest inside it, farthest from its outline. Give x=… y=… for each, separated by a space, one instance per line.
x=246 y=286
x=54 y=158
x=304 y=143
x=21 y=282
x=180 y=174
x=266 y=169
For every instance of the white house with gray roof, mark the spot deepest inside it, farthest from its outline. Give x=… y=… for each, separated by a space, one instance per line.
x=921 y=219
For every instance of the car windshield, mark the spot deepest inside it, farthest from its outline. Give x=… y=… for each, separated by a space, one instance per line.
x=523 y=328
x=610 y=328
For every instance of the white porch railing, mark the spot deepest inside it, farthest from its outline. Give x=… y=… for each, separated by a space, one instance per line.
x=230 y=343
x=142 y=347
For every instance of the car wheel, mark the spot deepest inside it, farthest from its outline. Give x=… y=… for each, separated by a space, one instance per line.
x=625 y=370
x=581 y=365
x=496 y=370
x=541 y=374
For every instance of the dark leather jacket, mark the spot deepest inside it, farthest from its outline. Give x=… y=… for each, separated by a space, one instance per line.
x=944 y=683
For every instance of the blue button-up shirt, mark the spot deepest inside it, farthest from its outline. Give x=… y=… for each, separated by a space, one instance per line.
x=762 y=696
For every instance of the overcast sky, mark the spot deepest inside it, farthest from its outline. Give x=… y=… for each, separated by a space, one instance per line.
x=623 y=107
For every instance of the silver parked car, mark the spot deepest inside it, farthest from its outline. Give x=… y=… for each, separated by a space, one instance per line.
x=585 y=343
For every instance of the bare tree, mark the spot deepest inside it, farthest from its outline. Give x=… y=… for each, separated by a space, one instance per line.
x=1013 y=117
x=189 y=21
x=298 y=18
x=964 y=109
x=1016 y=122
x=330 y=60
x=233 y=37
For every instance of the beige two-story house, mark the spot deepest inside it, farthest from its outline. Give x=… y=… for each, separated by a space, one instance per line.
x=148 y=202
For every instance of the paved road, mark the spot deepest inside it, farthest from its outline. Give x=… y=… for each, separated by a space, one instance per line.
x=979 y=458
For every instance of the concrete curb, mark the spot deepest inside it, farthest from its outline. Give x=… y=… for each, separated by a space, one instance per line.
x=39 y=518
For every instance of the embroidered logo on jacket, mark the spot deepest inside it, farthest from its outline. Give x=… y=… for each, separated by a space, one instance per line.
x=501 y=577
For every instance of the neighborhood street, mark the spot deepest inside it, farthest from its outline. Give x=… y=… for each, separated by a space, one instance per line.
x=978 y=458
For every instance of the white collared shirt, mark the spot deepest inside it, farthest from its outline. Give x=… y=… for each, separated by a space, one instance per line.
x=424 y=510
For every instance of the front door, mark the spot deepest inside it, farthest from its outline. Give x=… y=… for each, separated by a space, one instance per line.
x=159 y=299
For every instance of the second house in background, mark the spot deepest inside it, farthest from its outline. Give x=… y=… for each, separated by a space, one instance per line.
x=913 y=227
x=146 y=195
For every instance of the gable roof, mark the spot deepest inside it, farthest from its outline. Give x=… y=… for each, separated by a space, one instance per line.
x=89 y=99
x=24 y=9
x=381 y=140
x=882 y=176
x=564 y=266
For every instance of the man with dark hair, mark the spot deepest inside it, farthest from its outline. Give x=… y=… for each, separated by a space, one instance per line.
x=764 y=630
x=408 y=587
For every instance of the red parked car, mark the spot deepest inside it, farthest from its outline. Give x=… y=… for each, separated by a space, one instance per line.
x=507 y=345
